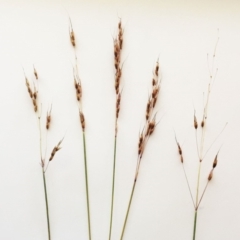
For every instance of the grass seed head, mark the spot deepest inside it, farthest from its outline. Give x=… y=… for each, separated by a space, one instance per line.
x=71 y=34
x=195 y=122
x=35 y=73
x=210 y=175
x=179 y=149
x=82 y=120
x=72 y=38
x=29 y=88
x=48 y=119
x=55 y=149
x=148 y=108
x=157 y=69
x=154 y=82
x=151 y=127
x=118 y=104
x=34 y=104
x=78 y=89
x=215 y=162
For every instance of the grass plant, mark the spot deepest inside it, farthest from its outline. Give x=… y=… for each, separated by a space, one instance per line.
x=118 y=44
x=78 y=89
x=200 y=145
x=146 y=133
x=44 y=162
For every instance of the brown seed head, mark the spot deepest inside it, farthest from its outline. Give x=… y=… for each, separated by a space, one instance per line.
x=215 y=162
x=179 y=149
x=48 y=119
x=48 y=122
x=155 y=95
x=195 y=122
x=78 y=89
x=118 y=104
x=34 y=104
x=29 y=88
x=35 y=73
x=117 y=79
x=148 y=108
x=151 y=127
x=140 y=144
x=153 y=82
x=210 y=175
x=35 y=95
x=82 y=120
x=55 y=149
x=157 y=69
x=72 y=38
x=155 y=92
x=120 y=34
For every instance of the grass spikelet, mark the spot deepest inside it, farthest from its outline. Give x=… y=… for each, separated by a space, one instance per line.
x=35 y=72
x=71 y=34
x=48 y=118
x=55 y=149
x=82 y=120
x=32 y=93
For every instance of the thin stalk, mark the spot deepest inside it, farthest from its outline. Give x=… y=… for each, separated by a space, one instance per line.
x=188 y=185
x=195 y=224
x=86 y=182
x=113 y=185
x=46 y=202
x=129 y=205
x=198 y=182
x=203 y=194
x=40 y=137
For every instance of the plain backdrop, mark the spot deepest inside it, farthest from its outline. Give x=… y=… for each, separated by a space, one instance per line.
x=180 y=33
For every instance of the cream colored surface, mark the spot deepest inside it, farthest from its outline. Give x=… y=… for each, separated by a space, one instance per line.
x=180 y=33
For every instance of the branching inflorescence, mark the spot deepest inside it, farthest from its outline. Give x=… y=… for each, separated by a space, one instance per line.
x=33 y=93
x=200 y=146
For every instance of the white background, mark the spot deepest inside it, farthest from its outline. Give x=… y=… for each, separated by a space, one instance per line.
x=180 y=33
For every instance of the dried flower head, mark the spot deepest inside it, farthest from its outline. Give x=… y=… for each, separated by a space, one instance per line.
x=71 y=34
x=48 y=118
x=29 y=88
x=55 y=149
x=195 y=121
x=210 y=175
x=77 y=84
x=215 y=162
x=118 y=101
x=118 y=42
x=35 y=73
x=82 y=119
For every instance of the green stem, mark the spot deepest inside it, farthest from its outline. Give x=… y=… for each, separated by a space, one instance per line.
x=46 y=201
x=195 y=225
x=86 y=182
x=113 y=185
x=129 y=205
